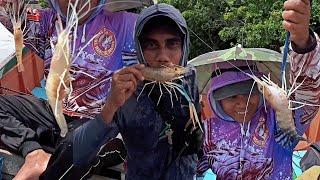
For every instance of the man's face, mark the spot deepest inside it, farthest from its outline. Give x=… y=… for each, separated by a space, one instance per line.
x=236 y=106
x=162 y=47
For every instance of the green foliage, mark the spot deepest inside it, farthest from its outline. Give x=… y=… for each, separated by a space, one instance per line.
x=43 y=3
x=225 y=23
x=204 y=18
x=315 y=21
x=254 y=23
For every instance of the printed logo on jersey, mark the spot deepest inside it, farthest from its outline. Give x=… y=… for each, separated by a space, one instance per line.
x=104 y=44
x=261 y=133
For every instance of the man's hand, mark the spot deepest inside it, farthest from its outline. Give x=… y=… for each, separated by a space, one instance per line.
x=124 y=84
x=296 y=20
x=35 y=164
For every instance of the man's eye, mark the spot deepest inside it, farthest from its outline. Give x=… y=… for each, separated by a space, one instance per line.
x=174 y=44
x=149 y=45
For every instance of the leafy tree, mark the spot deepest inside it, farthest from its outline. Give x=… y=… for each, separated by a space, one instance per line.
x=258 y=23
x=315 y=21
x=205 y=21
x=225 y=23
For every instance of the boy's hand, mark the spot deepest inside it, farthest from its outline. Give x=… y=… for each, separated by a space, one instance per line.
x=296 y=20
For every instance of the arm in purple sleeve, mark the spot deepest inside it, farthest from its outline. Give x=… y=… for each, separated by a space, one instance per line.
x=308 y=94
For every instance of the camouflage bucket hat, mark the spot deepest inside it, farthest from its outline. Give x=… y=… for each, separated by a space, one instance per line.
x=266 y=60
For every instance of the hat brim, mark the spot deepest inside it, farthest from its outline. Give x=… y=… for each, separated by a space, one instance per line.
x=243 y=87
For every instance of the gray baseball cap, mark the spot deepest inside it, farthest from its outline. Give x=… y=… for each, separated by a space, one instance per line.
x=243 y=87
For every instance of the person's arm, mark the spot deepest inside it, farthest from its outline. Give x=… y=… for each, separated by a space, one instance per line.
x=90 y=137
x=304 y=62
x=76 y=154
x=308 y=94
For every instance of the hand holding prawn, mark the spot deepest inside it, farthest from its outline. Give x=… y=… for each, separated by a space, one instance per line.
x=124 y=84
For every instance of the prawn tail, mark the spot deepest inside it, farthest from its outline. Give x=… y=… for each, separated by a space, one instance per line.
x=18 y=38
x=19 y=61
x=284 y=139
x=286 y=133
x=20 y=67
x=57 y=109
x=61 y=121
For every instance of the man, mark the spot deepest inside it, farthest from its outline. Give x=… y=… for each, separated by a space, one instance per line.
x=244 y=139
x=162 y=40
x=27 y=123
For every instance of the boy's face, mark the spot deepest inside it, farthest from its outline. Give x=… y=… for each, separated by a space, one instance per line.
x=235 y=106
x=162 y=47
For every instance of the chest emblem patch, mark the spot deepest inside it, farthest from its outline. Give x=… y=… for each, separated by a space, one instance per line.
x=261 y=133
x=104 y=44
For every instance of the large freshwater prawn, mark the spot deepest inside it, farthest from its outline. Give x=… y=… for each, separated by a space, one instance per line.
x=58 y=83
x=164 y=77
x=279 y=99
x=17 y=11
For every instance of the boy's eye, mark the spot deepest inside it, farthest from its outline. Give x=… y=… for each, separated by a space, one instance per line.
x=231 y=98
